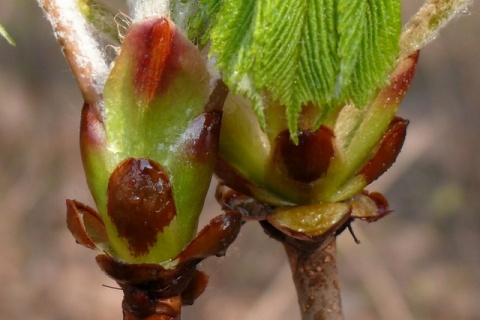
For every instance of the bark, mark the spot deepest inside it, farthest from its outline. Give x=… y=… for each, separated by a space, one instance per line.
x=161 y=309
x=315 y=276
x=314 y=271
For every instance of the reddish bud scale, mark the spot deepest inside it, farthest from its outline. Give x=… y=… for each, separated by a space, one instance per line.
x=203 y=137
x=92 y=128
x=217 y=98
x=401 y=79
x=160 y=54
x=368 y=206
x=140 y=202
x=233 y=178
x=388 y=150
x=85 y=224
x=214 y=238
x=153 y=43
x=381 y=202
x=150 y=289
x=309 y=160
x=250 y=208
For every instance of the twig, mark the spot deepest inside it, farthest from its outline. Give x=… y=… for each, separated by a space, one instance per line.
x=424 y=26
x=168 y=309
x=79 y=46
x=314 y=271
x=316 y=280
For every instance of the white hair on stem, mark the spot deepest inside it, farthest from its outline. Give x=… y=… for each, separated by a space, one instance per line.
x=79 y=46
x=141 y=9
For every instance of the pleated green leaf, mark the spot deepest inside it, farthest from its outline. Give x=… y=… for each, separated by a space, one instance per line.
x=324 y=52
x=368 y=32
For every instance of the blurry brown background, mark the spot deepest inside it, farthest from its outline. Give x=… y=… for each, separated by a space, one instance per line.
x=422 y=262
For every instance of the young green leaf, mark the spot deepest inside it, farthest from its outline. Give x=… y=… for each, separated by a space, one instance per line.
x=201 y=23
x=101 y=17
x=324 y=52
x=7 y=37
x=368 y=44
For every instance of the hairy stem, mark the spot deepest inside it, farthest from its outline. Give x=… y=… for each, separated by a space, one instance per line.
x=314 y=272
x=424 y=26
x=79 y=46
x=315 y=276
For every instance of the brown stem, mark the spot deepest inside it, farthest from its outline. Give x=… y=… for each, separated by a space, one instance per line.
x=137 y=305
x=315 y=276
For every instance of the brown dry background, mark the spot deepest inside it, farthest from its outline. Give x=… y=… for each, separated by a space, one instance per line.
x=422 y=262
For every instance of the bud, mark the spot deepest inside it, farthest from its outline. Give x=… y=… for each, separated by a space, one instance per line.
x=315 y=184
x=150 y=146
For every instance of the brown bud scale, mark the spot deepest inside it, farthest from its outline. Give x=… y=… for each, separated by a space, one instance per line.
x=388 y=150
x=309 y=160
x=140 y=202
x=153 y=43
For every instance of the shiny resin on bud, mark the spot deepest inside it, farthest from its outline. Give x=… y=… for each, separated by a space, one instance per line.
x=387 y=152
x=309 y=159
x=140 y=203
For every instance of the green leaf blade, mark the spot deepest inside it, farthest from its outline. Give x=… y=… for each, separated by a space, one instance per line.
x=316 y=78
x=351 y=24
x=368 y=32
x=324 y=52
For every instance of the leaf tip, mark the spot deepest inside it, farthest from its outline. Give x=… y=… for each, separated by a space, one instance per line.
x=7 y=37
